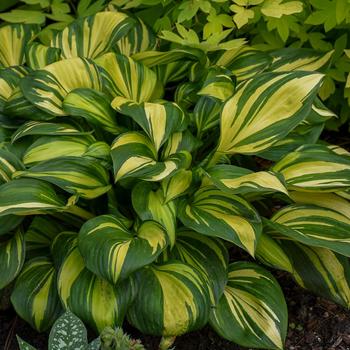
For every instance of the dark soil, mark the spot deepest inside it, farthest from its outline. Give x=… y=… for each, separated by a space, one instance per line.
x=314 y=324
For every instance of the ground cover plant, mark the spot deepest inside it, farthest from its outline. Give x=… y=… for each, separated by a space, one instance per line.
x=135 y=168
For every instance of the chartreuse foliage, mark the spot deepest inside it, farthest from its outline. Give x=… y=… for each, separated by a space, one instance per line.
x=134 y=170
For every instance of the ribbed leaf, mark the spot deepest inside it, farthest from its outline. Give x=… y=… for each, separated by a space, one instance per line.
x=134 y=155
x=46 y=88
x=94 y=106
x=238 y=180
x=265 y=109
x=321 y=271
x=208 y=255
x=149 y=205
x=173 y=299
x=315 y=168
x=12 y=254
x=113 y=252
x=312 y=225
x=127 y=78
x=92 y=36
x=46 y=128
x=252 y=312
x=35 y=297
x=215 y=213
x=27 y=197
x=81 y=176
x=158 y=120
x=9 y=164
x=38 y=55
x=94 y=300
x=176 y=185
x=13 y=39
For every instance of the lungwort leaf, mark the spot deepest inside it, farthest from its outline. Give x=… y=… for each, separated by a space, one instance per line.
x=215 y=213
x=92 y=36
x=172 y=299
x=252 y=312
x=113 y=252
x=312 y=225
x=46 y=88
x=264 y=109
x=315 y=168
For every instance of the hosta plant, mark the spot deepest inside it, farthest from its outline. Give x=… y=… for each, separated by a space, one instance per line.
x=136 y=175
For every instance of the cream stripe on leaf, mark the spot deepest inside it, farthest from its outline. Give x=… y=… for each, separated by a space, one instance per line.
x=158 y=120
x=238 y=180
x=122 y=76
x=252 y=312
x=95 y=301
x=12 y=254
x=180 y=141
x=29 y=196
x=315 y=168
x=312 y=225
x=149 y=205
x=206 y=254
x=46 y=88
x=94 y=106
x=176 y=185
x=13 y=39
x=321 y=271
x=9 y=164
x=113 y=252
x=215 y=213
x=134 y=156
x=172 y=299
x=292 y=59
x=92 y=36
x=265 y=109
x=35 y=297
x=47 y=129
x=84 y=177
x=38 y=55
x=319 y=113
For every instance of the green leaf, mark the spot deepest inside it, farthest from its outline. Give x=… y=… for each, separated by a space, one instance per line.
x=215 y=213
x=38 y=56
x=176 y=185
x=24 y=345
x=275 y=8
x=252 y=312
x=9 y=164
x=24 y=16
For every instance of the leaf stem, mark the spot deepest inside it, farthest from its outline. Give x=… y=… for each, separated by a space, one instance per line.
x=214 y=159
x=82 y=213
x=166 y=343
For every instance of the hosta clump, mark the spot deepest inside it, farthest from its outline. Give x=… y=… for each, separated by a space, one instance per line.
x=130 y=168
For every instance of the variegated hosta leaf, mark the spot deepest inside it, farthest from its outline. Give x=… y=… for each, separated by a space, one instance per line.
x=94 y=300
x=81 y=176
x=68 y=332
x=238 y=180
x=149 y=205
x=325 y=200
x=29 y=196
x=134 y=156
x=51 y=147
x=208 y=255
x=46 y=88
x=9 y=222
x=321 y=271
x=292 y=59
x=176 y=185
x=13 y=39
x=252 y=312
x=46 y=128
x=269 y=252
x=38 y=55
x=9 y=164
x=319 y=113
x=172 y=72
x=266 y=108
x=215 y=213
x=92 y=36
x=9 y=79
x=178 y=142
x=12 y=254
x=158 y=120
x=245 y=63
x=139 y=39
x=172 y=299
x=315 y=168
x=312 y=225
x=113 y=252
x=127 y=78
x=35 y=297
x=94 y=106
